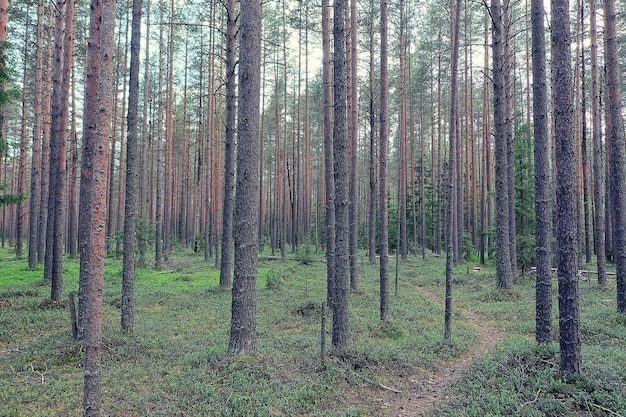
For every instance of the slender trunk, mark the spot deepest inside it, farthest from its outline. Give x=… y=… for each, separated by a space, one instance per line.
x=132 y=176
x=504 y=274
x=35 y=176
x=21 y=180
x=64 y=38
x=382 y=164
x=598 y=150
x=229 y=145
x=371 y=234
x=328 y=153
x=455 y=18
x=615 y=140
x=353 y=139
x=543 y=192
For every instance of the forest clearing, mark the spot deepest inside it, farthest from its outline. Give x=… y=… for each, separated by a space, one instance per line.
x=175 y=363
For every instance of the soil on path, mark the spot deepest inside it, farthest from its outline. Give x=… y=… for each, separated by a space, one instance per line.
x=425 y=394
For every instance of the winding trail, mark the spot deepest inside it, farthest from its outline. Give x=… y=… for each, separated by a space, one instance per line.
x=423 y=395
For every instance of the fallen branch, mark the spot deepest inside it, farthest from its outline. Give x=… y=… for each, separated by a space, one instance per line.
x=606 y=409
x=389 y=389
x=378 y=384
x=530 y=402
x=32 y=368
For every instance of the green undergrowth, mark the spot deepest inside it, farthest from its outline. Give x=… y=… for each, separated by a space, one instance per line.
x=175 y=363
x=522 y=379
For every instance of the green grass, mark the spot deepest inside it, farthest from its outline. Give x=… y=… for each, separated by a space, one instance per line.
x=521 y=378
x=175 y=362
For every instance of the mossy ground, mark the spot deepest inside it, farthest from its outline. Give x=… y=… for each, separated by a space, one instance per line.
x=175 y=362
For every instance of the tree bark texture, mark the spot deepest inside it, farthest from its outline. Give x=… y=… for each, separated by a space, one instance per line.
x=504 y=273
x=64 y=38
x=340 y=169
x=93 y=189
x=132 y=175
x=243 y=322
x=35 y=176
x=566 y=191
x=328 y=151
x=543 y=193
x=382 y=164
x=599 y=185
x=229 y=145
x=615 y=140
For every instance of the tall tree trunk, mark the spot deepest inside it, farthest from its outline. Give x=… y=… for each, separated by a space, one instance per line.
x=64 y=38
x=158 y=201
x=229 y=144
x=543 y=193
x=96 y=134
x=328 y=152
x=353 y=133
x=508 y=127
x=371 y=234
x=382 y=165
x=72 y=191
x=615 y=139
x=243 y=322
x=598 y=151
x=21 y=179
x=35 y=176
x=402 y=154
x=45 y=149
x=168 y=197
x=585 y=175
x=567 y=223
x=504 y=274
x=455 y=19
x=340 y=169
x=132 y=176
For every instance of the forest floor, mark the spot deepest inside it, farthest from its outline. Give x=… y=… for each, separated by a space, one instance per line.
x=421 y=399
x=175 y=363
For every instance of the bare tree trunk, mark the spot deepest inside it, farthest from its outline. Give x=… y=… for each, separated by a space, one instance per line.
x=243 y=322
x=504 y=274
x=158 y=219
x=132 y=176
x=96 y=137
x=340 y=169
x=45 y=149
x=543 y=193
x=598 y=151
x=382 y=165
x=615 y=139
x=64 y=38
x=566 y=164
x=328 y=152
x=353 y=133
x=72 y=191
x=35 y=176
x=508 y=126
x=402 y=154
x=371 y=235
x=585 y=175
x=168 y=196
x=229 y=144
x=21 y=179
x=455 y=19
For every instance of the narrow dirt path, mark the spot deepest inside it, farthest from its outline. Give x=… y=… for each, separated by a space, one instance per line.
x=425 y=394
